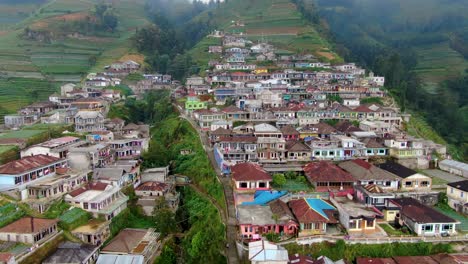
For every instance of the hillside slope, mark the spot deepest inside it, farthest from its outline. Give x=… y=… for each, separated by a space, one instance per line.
x=58 y=41
x=275 y=21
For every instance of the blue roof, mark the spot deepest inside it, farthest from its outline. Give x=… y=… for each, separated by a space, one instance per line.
x=319 y=205
x=264 y=197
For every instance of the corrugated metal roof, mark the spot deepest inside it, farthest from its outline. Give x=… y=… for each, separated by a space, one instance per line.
x=120 y=259
x=454 y=164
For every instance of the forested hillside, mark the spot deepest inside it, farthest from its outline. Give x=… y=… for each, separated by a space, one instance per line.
x=420 y=46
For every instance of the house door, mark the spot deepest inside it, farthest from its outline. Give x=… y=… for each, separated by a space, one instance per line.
x=436 y=229
x=347 y=152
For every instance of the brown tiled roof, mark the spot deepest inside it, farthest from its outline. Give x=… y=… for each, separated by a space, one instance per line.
x=95 y=186
x=305 y=214
x=282 y=210
x=221 y=131
x=249 y=172
x=375 y=261
x=131 y=126
x=324 y=171
x=232 y=109
x=346 y=127
x=372 y=143
x=421 y=213
x=372 y=188
x=300 y=259
x=5 y=257
x=363 y=170
x=238 y=139
x=126 y=241
x=26 y=164
x=152 y=186
x=296 y=146
x=414 y=260
x=321 y=128
x=289 y=130
x=28 y=225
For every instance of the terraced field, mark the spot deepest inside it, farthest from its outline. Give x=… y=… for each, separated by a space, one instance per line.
x=276 y=21
x=41 y=66
x=438 y=62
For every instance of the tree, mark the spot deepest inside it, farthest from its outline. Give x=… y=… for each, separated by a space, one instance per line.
x=163 y=217
x=279 y=179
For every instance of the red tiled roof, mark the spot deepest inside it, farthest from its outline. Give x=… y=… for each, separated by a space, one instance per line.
x=27 y=225
x=305 y=214
x=26 y=164
x=324 y=171
x=249 y=172
x=5 y=257
x=152 y=186
x=363 y=109
x=366 y=165
x=300 y=259
x=414 y=260
x=375 y=261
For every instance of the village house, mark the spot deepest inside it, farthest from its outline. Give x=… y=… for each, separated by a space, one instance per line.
x=232 y=150
x=57 y=147
x=194 y=103
x=151 y=191
x=454 y=167
x=297 y=151
x=327 y=177
x=215 y=49
x=99 y=199
x=423 y=220
x=357 y=218
x=115 y=125
x=249 y=177
x=129 y=148
x=133 y=131
x=95 y=232
x=60 y=116
x=115 y=176
x=289 y=133
x=122 y=68
x=264 y=252
x=410 y=180
x=89 y=121
x=42 y=193
x=16 y=175
x=271 y=150
x=367 y=173
x=73 y=253
x=206 y=118
x=457 y=194
x=39 y=108
x=257 y=220
x=17 y=121
x=133 y=241
x=314 y=216
x=220 y=132
x=373 y=195
x=90 y=156
x=267 y=131
x=29 y=230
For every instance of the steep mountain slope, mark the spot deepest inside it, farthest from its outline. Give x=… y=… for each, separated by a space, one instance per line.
x=44 y=43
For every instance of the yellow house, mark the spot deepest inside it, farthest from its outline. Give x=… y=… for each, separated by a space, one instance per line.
x=457 y=194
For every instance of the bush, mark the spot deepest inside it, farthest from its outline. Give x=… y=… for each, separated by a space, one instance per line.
x=10 y=213
x=279 y=179
x=273 y=237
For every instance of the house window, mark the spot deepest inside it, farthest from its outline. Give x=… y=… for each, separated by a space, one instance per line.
x=85 y=205
x=317 y=153
x=332 y=153
x=424 y=183
x=408 y=184
x=447 y=227
x=381 y=151
x=451 y=190
x=388 y=183
x=307 y=226
x=353 y=224
x=262 y=185
x=243 y=185
x=369 y=151
x=427 y=228
x=461 y=194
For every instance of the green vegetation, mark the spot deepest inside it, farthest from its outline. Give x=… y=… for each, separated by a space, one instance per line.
x=74 y=218
x=8 y=153
x=168 y=256
x=341 y=250
x=204 y=238
x=391 y=231
x=279 y=180
x=10 y=213
x=57 y=209
x=372 y=100
x=43 y=252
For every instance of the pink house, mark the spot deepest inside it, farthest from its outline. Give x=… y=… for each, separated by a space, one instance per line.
x=256 y=220
x=250 y=177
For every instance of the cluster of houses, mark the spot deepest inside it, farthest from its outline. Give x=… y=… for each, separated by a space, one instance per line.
x=86 y=171
x=266 y=112
x=353 y=197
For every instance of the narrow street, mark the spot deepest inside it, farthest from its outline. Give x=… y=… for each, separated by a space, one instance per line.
x=230 y=218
